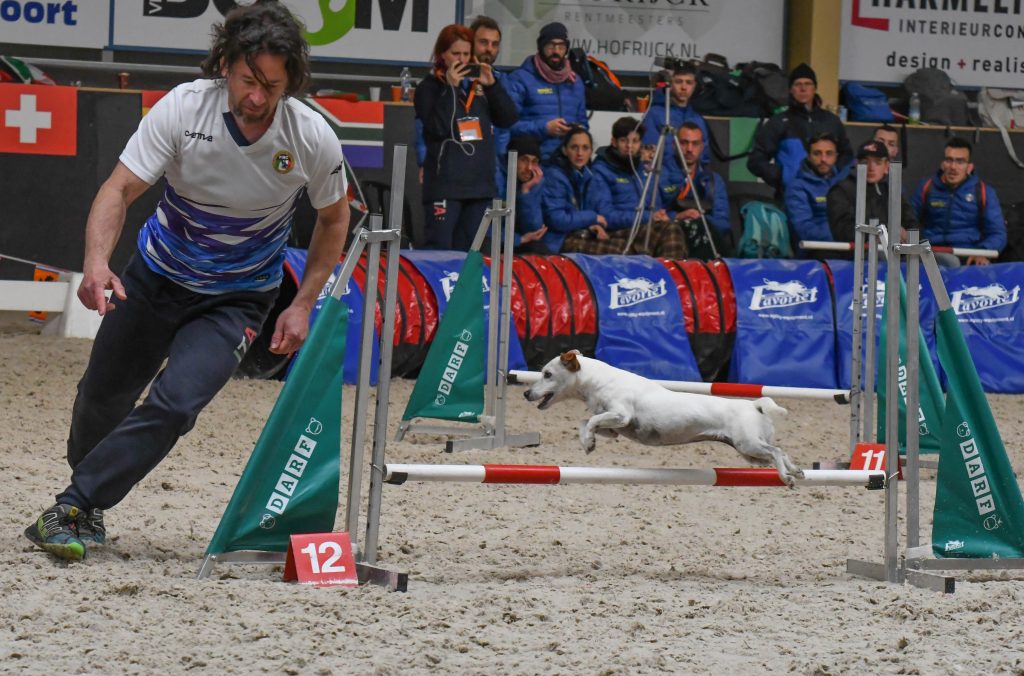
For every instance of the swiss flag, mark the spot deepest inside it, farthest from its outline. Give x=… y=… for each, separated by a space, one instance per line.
x=38 y=119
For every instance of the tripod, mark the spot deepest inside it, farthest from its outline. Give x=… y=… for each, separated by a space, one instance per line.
x=653 y=180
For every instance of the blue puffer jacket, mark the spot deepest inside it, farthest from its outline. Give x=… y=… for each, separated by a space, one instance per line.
x=529 y=207
x=710 y=189
x=540 y=101
x=572 y=200
x=806 y=202
x=654 y=118
x=625 y=187
x=950 y=216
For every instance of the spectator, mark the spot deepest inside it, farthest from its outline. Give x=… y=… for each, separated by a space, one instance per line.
x=457 y=115
x=529 y=228
x=621 y=170
x=574 y=200
x=681 y=190
x=957 y=208
x=842 y=198
x=806 y=195
x=680 y=88
x=890 y=137
x=782 y=142
x=547 y=93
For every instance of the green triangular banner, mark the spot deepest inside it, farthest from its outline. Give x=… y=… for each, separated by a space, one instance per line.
x=979 y=512
x=930 y=391
x=290 y=484
x=451 y=382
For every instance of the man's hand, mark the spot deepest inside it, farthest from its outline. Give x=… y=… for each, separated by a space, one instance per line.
x=94 y=284
x=978 y=260
x=538 y=176
x=661 y=215
x=533 y=235
x=290 y=330
x=599 y=231
x=557 y=127
x=486 y=75
x=688 y=215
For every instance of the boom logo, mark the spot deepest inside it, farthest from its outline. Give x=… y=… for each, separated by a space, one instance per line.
x=335 y=24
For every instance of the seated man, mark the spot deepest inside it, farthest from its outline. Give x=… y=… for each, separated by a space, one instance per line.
x=687 y=192
x=957 y=208
x=842 y=198
x=530 y=228
x=806 y=195
x=621 y=169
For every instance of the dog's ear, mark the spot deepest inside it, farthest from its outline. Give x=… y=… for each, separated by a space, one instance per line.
x=569 y=360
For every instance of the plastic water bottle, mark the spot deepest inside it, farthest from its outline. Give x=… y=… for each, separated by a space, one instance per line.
x=914 y=111
x=406 y=84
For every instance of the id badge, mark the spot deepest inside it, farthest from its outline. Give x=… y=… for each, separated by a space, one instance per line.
x=469 y=129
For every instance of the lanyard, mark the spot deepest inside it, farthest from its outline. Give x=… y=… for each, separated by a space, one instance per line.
x=472 y=94
x=686 y=189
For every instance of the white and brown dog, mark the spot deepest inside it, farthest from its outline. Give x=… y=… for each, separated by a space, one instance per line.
x=644 y=411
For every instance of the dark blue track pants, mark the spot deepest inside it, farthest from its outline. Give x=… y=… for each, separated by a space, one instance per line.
x=113 y=442
x=452 y=224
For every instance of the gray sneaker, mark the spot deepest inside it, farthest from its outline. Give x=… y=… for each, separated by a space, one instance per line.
x=55 y=531
x=91 y=530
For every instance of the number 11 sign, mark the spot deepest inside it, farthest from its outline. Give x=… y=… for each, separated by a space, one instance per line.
x=321 y=560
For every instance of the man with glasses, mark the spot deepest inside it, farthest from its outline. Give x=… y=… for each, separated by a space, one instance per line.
x=957 y=208
x=549 y=96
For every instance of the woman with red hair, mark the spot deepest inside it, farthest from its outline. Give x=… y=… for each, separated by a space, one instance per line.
x=458 y=110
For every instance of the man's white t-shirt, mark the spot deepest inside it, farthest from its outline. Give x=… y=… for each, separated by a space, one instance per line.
x=225 y=216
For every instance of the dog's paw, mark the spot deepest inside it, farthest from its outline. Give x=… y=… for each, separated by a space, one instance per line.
x=587 y=440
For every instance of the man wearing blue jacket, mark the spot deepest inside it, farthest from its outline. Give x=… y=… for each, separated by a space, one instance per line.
x=680 y=88
x=957 y=208
x=621 y=169
x=680 y=201
x=549 y=96
x=529 y=227
x=806 y=197
x=781 y=143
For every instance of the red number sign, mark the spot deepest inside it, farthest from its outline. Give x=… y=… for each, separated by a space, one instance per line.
x=321 y=560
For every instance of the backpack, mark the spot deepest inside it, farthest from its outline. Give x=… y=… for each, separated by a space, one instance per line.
x=1014 y=251
x=771 y=85
x=941 y=103
x=1003 y=109
x=601 y=86
x=765 y=232
x=721 y=91
x=866 y=104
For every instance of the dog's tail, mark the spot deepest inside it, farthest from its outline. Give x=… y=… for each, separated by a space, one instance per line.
x=768 y=407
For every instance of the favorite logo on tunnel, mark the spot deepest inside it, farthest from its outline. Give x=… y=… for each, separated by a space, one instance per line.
x=972 y=299
x=450 y=279
x=773 y=294
x=629 y=291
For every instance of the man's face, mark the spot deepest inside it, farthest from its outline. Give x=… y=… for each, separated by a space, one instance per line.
x=682 y=88
x=691 y=141
x=877 y=169
x=526 y=167
x=956 y=165
x=553 y=54
x=486 y=42
x=628 y=145
x=891 y=140
x=822 y=157
x=802 y=90
x=253 y=96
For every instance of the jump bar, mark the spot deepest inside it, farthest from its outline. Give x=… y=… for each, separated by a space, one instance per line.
x=720 y=389
x=553 y=474
x=963 y=252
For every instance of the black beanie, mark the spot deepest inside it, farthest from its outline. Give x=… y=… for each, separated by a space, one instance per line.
x=524 y=145
x=550 y=32
x=802 y=71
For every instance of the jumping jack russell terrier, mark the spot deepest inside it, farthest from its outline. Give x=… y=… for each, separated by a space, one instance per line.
x=639 y=409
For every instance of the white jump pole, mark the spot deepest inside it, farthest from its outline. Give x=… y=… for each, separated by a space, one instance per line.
x=962 y=252
x=721 y=389
x=553 y=474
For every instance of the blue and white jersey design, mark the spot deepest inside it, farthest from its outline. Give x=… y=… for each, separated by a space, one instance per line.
x=225 y=216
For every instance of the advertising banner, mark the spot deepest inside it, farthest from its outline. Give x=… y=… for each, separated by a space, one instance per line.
x=976 y=43
x=378 y=30
x=68 y=23
x=629 y=36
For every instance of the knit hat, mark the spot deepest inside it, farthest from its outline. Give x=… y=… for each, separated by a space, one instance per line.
x=873 y=149
x=551 y=32
x=524 y=145
x=802 y=71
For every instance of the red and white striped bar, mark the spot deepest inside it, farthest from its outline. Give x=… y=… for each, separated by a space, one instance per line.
x=553 y=474
x=962 y=252
x=720 y=389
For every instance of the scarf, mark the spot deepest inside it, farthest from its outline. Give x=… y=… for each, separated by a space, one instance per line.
x=554 y=76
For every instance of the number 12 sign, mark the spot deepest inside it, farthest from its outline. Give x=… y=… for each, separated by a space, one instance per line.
x=321 y=560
